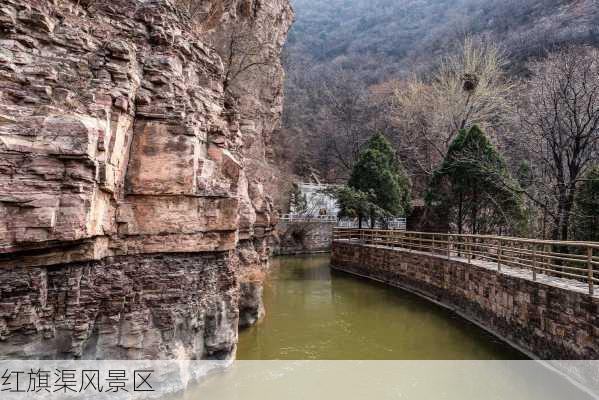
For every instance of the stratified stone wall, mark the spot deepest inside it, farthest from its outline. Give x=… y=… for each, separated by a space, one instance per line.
x=123 y=145
x=130 y=307
x=545 y=320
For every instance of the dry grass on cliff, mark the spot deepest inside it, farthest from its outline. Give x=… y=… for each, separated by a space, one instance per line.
x=205 y=14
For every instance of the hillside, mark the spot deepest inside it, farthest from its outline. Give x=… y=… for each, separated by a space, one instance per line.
x=348 y=49
x=387 y=36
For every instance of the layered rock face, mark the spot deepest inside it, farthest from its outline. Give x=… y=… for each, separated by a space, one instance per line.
x=133 y=147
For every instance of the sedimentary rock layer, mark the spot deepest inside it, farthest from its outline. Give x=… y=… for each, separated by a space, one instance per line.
x=132 y=168
x=127 y=307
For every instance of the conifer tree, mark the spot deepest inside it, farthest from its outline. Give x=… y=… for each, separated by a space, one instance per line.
x=379 y=173
x=474 y=188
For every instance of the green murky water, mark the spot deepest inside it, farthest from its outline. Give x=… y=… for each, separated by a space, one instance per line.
x=313 y=313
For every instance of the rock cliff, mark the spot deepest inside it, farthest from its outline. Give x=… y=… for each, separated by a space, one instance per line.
x=134 y=138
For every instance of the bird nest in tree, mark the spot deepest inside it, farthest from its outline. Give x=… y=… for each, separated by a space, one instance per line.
x=470 y=82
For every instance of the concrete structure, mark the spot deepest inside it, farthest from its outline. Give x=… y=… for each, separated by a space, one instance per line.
x=318 y=203
x=393 y=223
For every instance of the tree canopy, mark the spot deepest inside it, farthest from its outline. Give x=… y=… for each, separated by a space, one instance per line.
x=298 y=201
x=473 y=187
x=355 y=203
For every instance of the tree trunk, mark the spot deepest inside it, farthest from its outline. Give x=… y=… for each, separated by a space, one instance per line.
x=372 y=220
x=474 y=214
x=544 y=224
x=565 y=204
x=460 y=211
x=568 y=206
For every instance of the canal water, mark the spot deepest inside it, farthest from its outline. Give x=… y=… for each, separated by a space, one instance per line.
x=314 y=313
x=329 y=335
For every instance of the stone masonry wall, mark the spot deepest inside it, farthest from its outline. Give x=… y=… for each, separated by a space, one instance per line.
x=544 y=320
x=303 y=237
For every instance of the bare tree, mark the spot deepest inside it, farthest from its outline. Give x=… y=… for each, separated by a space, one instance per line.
x=469 y=87
x=345 y=103
x=561 y=112
x=244 y=52
x=204 y=13
x=195 y=8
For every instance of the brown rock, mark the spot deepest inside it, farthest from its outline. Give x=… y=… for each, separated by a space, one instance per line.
x=119 y=222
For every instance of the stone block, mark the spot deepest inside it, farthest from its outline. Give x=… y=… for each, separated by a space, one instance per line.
x=163 y=160
x=42 y=217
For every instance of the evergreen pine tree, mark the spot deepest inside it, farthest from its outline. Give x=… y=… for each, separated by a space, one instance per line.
x=473 y=186
x=379 y=173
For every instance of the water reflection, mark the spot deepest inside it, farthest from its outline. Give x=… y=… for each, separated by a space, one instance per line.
x=313 y=313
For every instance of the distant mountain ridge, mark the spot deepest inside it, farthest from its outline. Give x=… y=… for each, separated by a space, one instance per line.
x=350 y=50
x=382 y=37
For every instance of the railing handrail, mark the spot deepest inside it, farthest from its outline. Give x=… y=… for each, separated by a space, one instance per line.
x=304 y=218
x=594 y=245
x=548 y=257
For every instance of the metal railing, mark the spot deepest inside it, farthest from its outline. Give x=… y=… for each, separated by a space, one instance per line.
x=393 y=223
x=572 y=260
x=308 y=218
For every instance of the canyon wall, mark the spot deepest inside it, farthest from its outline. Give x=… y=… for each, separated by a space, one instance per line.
x=134 y=139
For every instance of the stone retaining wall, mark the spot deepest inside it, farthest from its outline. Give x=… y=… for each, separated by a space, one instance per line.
x=303 y=237
x=546 y=319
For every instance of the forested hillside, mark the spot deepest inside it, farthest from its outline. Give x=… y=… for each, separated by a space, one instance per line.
x=381 y=37
x=492 y=106
x=341 y=53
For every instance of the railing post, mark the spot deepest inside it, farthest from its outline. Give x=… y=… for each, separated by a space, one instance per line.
x=590 y=268
x=433 y=245
x=468 y=250
x=534 y=263
x=548 y=265
x=499 y=250
x=449 y=246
